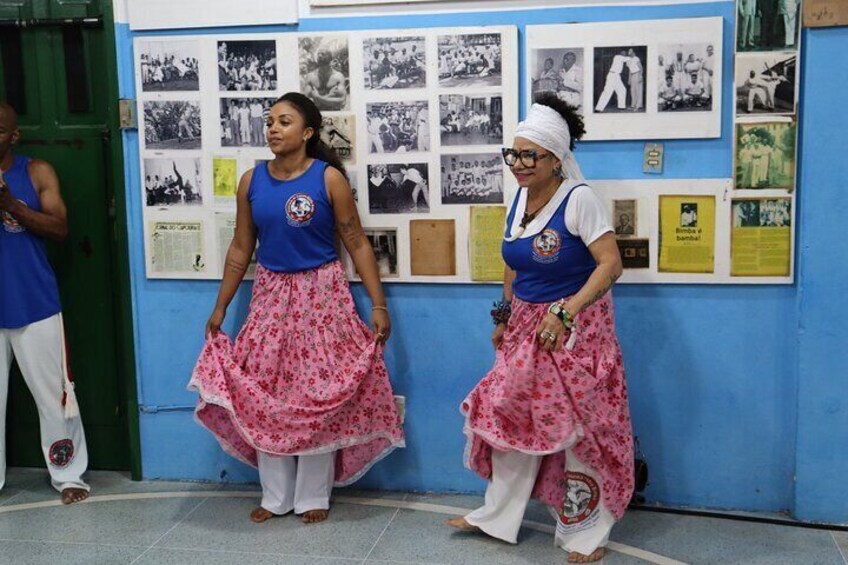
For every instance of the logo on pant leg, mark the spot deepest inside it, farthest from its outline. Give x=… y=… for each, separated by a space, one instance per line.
x=582 y=496
x=61 y=452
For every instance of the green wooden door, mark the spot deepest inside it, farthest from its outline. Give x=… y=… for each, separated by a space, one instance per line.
x=55 y=75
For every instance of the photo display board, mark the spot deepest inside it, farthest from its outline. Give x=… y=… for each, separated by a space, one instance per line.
x=418 y=116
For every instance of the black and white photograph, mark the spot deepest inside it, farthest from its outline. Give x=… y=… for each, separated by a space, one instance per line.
x=685 y=74
x=243 y=121
x=398 y=188
x=384 y=244
x=172 y=125
x=765 y=83
x=472 y=178
x=339 y=132
x=559 y=71
x=172 y=182
x=169 y=65
x=624 y=217
x=619 y=79
x=471 y=119
x=353 y=180
x=768 y=25
x=470 y=60
x=398 y=127
x=394 y=62
x=689 y=215
x=325 y=71
x=765 y=155
x=247 y=65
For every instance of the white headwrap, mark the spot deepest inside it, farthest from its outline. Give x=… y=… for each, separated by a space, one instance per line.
x=545 y=127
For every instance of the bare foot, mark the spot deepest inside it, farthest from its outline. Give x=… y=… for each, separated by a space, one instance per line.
x=460 y=524
x=259 y=515
x=72 y=495
x=596 y=555
x=314 y=516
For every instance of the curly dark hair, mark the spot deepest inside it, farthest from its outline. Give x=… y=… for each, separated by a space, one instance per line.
x=568 y=113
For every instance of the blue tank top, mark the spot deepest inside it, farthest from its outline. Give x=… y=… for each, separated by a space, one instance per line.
x=550 y=265
x=28 y=289
x=294 y=220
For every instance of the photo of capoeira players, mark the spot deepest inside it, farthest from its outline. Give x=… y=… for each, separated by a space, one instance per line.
x=619 y=72
x=31 y=332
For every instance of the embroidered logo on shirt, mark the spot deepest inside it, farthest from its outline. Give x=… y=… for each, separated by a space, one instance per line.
x=10 y=224
x=546 y=246
x=299 y=209
x=582 y=496
x=61 y=452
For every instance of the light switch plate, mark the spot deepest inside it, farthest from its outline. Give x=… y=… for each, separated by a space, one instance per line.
x=653 y=164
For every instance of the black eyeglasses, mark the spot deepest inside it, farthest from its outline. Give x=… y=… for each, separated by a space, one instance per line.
x=528 y=157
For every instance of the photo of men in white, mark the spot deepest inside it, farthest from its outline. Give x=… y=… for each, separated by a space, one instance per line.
x=169 y=65
x=766 y=25
x=559 y=71
x=243 y=121
x=685 y=77
x=470 y=59
x=472 y=178
x=394 y=62
x=247 y=65
x=398 y=127
x=765 y=83
x=620 y=73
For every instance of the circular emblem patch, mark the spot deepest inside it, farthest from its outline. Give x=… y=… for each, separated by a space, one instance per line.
x=299 y=209
x=546 y=246
x=10 y=224
x=61 y=452
x=582 y=497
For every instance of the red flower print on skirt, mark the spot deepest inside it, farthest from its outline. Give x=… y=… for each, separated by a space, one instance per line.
x=543 y=403
x=304 y=376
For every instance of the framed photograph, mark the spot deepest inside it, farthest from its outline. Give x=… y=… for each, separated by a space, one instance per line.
x=619 y=74
x=169 y=65
x=765 y=155
x=172 y=125
x=325 y=71
x=765 y=83
x=394 y=63
x=559 y=71
x=243 y=121
x=619 y=78
x=468 y=119
x=472 y=178
x=685 y=77
x=247 y=65
x=398 y=127
x=768 y=25
x=172 y=182
x=398 y=188
x=624 y=218
x=469 y=60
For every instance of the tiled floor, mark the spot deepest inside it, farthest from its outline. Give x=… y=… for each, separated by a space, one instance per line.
x=155 y=522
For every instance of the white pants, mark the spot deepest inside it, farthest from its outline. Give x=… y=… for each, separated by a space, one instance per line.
x=789 y=21
x=296 y=482
x=39 y=350
x=513 y=476
x=612 y=85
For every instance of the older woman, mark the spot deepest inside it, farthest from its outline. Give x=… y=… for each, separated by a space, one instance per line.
x=550 y=420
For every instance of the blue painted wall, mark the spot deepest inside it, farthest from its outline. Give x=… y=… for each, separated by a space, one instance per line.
x=713 y=372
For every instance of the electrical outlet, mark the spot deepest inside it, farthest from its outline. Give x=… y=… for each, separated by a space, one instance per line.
x=653 y=164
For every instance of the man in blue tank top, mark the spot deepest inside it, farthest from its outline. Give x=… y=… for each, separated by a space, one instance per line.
x=31 y=208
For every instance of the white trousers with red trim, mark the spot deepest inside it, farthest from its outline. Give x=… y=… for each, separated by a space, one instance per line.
x=39 y=349
x=513 y=476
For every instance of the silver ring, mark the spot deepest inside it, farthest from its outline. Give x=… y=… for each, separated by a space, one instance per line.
x=551 y=337
x=545 y=334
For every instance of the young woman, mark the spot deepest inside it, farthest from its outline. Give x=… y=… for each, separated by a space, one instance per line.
x=303 y=394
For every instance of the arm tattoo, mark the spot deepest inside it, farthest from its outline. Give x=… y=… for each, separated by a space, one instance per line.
x=351 y=233
x=600 y=293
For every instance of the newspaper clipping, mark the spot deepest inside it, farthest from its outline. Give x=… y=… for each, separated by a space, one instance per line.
x=177 y=247
x=486 y=236
x=687 y=234
x=225 y=228
x=761 y=242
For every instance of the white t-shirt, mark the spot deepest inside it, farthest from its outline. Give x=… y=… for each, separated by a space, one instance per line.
x=586 y=216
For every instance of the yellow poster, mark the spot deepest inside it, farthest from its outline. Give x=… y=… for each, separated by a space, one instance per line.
x=224 y=177
x=687 y=234
x=760 y=240
x=487 y=227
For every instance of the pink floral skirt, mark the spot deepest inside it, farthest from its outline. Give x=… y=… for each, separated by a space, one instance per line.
x=542 y=403
x=304 y=376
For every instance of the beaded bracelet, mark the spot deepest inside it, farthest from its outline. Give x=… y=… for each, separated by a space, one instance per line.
x=501 y=312
x=558 y=310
